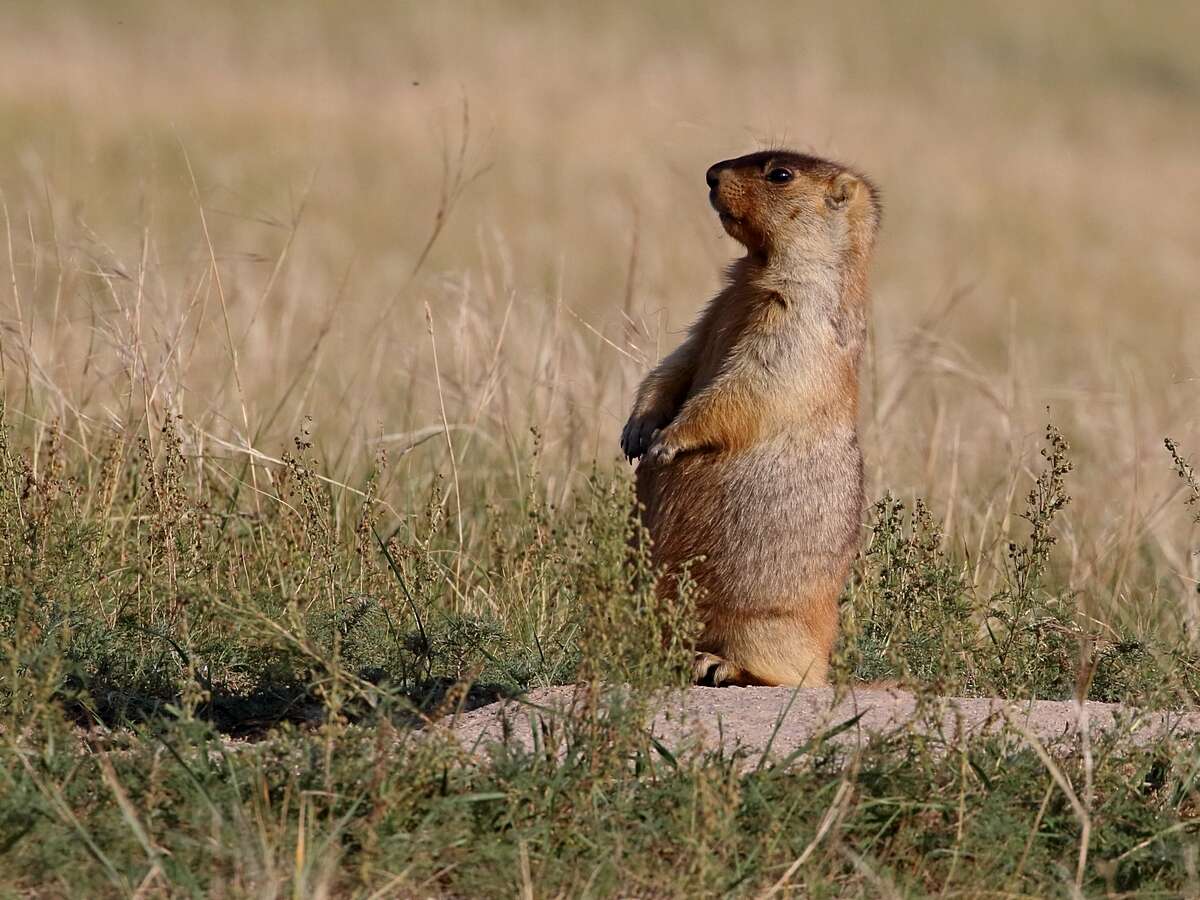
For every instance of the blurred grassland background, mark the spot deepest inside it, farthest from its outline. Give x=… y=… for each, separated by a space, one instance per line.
x=533 y=175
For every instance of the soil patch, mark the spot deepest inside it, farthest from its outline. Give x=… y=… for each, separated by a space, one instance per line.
x=751 y=720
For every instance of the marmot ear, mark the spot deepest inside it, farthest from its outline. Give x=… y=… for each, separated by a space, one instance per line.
x=842 y=190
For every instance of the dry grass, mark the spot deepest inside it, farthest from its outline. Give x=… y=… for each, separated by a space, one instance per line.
x=534 y=176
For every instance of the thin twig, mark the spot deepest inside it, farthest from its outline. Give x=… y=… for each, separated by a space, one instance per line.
x=216 y=274
x=832 y=814
x=437 y=374
x=263 y=457
x=1081 y=813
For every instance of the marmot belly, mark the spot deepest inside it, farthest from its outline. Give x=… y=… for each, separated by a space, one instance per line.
x=767 y=520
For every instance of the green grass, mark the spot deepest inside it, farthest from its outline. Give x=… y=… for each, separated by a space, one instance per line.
x=205 y=694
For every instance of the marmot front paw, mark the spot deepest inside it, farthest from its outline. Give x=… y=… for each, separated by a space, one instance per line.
x=639 y=432
x=661 y=452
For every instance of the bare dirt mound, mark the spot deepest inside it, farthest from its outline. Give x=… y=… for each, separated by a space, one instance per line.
x=753 y=720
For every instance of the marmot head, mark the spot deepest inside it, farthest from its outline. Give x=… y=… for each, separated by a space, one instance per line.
x=776 y=202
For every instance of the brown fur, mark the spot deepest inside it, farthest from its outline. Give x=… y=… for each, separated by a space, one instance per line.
x=747 y=432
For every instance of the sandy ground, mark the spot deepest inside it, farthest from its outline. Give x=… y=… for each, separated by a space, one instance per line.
x=751 y=719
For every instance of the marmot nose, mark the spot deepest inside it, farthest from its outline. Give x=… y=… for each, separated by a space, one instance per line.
x=713 y=176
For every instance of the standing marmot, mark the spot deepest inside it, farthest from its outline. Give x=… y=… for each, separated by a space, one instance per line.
x=748 y=430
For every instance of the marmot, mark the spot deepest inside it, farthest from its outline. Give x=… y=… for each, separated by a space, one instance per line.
x=748 y=431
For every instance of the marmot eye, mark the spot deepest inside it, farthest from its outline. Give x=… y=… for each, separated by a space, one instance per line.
x=779 y=176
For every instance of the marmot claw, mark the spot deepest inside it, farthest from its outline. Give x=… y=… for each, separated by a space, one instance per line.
x=637 y=436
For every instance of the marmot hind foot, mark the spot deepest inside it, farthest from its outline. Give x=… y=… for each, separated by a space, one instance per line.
x=710 y=670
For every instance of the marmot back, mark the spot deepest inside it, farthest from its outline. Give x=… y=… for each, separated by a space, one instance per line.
x=747 y=433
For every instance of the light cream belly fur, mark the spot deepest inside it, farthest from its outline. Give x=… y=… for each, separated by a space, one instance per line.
x=776 y=525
